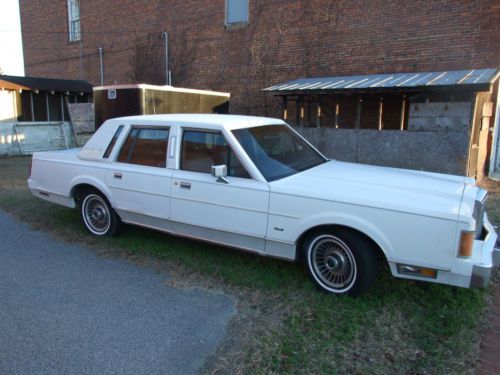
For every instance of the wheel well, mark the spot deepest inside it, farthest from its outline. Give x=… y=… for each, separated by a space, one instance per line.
x=78 y=190
x=332 y=227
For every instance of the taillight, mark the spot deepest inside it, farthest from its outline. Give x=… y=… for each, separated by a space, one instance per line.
x=29 y=168
x=466 y=244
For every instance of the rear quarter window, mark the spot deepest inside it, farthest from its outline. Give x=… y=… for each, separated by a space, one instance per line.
x=109 y=149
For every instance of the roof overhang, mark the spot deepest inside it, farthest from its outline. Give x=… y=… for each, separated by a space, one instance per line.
x=469 y=80
x=45 y=84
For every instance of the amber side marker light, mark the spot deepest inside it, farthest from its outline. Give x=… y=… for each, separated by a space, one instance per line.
x=405 y=269
x=466 y=244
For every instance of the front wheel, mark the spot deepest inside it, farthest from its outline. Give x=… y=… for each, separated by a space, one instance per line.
x=340 y=261
x=98 y=216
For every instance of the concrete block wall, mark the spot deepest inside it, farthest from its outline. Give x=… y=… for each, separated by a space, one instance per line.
x=451 y=116
x=443 y=152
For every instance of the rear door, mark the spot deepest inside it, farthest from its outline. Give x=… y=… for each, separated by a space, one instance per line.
x=139 y=179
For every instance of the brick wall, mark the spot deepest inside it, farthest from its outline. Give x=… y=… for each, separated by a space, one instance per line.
x=283 y=40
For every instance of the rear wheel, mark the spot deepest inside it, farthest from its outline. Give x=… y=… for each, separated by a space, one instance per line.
x=97 y=215
x=340 y=261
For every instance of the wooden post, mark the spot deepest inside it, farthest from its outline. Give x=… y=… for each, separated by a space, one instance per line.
x=357 y=124
x=284 y=110
x=302 y=110
x=47 y=104
x=403 y=114
x=14 y=95
x=62 y=106
x=308 y=122
x=337 y=112
x=298 y=111
x=318 y=113
x=32 y=107
x=380 y=112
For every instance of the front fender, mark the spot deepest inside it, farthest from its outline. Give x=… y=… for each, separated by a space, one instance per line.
x=347 y=220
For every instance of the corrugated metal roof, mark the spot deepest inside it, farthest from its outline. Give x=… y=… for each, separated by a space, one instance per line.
x=478 y=78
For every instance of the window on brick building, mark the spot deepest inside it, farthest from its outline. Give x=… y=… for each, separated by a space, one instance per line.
x=74 y=20
x=236 y=12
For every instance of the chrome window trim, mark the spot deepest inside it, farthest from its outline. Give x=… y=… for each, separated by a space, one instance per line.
x=212 y=131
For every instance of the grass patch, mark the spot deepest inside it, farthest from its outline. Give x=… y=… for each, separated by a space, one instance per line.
x=398 y=327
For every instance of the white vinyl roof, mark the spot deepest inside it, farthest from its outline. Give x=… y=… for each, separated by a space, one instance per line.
x=229 y=122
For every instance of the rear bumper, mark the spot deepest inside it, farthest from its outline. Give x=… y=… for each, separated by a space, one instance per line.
x=481 y=272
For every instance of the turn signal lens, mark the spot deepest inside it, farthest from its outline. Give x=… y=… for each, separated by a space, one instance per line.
x=427 y=272
x=466 y=244
x=406 y=269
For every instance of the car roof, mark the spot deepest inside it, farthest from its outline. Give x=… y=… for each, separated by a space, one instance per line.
x=229 y=122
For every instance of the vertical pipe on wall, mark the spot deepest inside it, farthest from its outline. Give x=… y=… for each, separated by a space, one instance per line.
x=101 y=65
x=168 y=78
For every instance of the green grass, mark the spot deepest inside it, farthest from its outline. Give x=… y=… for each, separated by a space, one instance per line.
x=398 y=327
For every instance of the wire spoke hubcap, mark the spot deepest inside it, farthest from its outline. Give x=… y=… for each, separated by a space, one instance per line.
x=96 y=214
x=333 y=263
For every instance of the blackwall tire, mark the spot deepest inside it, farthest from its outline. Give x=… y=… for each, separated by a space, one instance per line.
x=98 y=216
x=340 y=261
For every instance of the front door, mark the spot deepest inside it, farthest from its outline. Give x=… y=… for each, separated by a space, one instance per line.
x=233 y=212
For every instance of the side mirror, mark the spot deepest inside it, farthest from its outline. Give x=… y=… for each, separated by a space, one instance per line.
x=220 y=171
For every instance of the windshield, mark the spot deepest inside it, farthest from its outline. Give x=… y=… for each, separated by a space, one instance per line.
x=277 y=151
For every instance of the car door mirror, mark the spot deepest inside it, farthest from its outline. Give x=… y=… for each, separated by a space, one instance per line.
x=220 y=171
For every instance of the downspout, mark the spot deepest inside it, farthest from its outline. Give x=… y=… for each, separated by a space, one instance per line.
x=101 y=65
x=168 y=77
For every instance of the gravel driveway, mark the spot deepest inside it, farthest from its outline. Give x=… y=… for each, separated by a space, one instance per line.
x=64 y=310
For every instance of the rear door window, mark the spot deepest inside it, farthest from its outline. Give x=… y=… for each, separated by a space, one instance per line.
x=145 y=146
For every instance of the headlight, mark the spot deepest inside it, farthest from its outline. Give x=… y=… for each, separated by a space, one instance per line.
x=478 y=214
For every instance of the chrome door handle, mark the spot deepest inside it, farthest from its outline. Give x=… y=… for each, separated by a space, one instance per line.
x=185 y=185
x=117 y=175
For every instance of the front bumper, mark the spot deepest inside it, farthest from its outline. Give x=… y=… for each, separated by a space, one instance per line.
x=481 y=273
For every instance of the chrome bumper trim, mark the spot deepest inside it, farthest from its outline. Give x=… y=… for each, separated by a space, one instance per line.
x=481 y=273
x=481 y=276
x=496 y=256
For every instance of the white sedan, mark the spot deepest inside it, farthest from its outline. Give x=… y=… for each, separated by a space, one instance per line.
x=255 y=184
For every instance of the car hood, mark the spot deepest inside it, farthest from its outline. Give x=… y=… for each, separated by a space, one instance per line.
x=417 y=192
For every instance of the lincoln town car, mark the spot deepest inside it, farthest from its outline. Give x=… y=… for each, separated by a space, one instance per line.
x=255 y=184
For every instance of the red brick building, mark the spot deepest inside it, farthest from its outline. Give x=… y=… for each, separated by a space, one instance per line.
x=280 y=41
x=244 y=46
